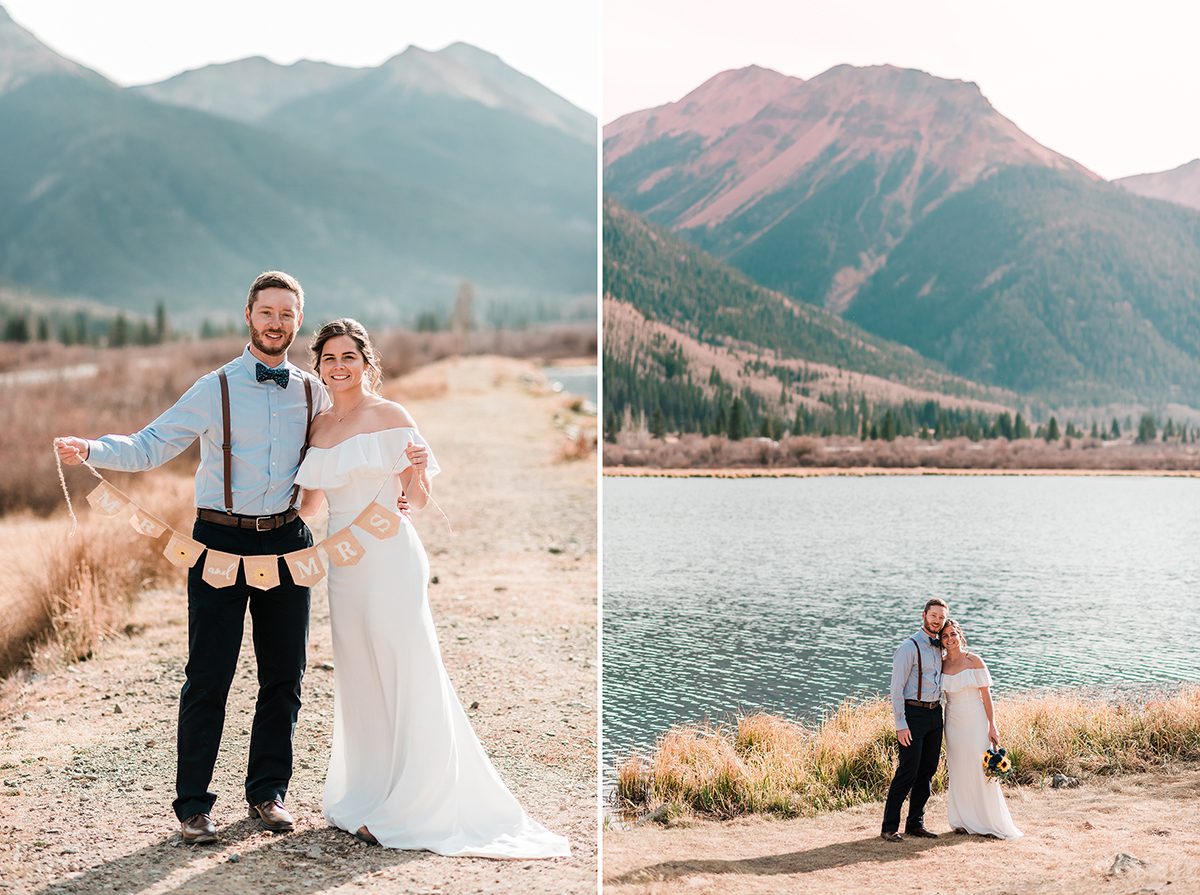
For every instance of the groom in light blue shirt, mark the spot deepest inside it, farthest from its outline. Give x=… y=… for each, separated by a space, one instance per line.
x=916 y=692
x=252 y=419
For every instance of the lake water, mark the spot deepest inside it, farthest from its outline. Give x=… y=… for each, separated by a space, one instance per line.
x=790 y=594
x=581 y=380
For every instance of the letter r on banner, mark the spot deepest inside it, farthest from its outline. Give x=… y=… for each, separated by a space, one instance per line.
x=145 y=524
x=343 y=548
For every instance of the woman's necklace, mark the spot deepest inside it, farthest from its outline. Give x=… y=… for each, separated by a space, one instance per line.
x=350 y=411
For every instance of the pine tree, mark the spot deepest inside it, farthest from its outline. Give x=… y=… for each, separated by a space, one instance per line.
x=1115 y=432
x=737 y=420
x=889 y=426
x=798 y=423
x=16 y=329
x=162 y=330
x=1147 y=429
x=1004 y=425
x=658 y=425
x=1052 y=433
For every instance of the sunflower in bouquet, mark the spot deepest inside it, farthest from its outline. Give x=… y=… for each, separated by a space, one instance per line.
x=997 y=765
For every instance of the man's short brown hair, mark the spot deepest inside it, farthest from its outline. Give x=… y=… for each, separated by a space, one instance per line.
x=935 y=601
x=275 y=279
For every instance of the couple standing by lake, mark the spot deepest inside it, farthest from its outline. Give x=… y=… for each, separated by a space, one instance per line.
x=406 y=769
x=931 y=664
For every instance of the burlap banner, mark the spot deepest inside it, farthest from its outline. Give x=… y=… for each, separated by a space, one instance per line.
x=220 y=569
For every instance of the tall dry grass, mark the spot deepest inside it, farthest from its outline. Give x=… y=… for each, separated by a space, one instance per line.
x=768 y=764
x=61 y=594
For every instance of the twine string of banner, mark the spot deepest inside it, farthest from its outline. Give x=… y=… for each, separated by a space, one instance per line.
x=184 y=552
x=428 y=496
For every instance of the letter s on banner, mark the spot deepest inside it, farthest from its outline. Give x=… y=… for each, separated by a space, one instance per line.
x=378 y=521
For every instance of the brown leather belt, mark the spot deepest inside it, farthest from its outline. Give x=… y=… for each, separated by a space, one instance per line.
x=255 y=523
x=920 y=704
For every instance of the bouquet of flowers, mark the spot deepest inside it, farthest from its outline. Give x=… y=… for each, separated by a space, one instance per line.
x=996 y=764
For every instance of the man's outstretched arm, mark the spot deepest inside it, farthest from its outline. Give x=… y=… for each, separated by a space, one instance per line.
x=164 y=439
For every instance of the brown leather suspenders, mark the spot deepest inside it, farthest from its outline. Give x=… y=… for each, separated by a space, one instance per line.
x=307 y=431
x=227 y=439
x=920 y=669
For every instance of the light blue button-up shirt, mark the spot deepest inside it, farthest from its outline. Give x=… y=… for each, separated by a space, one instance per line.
x=904 y=674
x=267 y=424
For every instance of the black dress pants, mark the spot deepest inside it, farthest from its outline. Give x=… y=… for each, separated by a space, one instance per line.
x=216 y=617
x=918 y=763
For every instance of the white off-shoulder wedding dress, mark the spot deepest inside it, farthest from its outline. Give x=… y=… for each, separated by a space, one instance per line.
x=973 y=802
x=405 y=762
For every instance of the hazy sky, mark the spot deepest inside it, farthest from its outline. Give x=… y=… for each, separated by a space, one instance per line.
x=1113 y=85
x=140 y=41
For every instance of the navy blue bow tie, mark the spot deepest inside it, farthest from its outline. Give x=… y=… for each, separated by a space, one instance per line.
x=280 y=374
x=935 y=641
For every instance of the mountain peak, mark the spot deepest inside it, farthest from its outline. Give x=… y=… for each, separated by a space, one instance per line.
x=1179 y=185
x=23 y=56
x=463 y=71
x=725 y=101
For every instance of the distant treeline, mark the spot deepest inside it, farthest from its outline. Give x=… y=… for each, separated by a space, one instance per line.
x=676 y=403
x=117 y=329
x=82 y=327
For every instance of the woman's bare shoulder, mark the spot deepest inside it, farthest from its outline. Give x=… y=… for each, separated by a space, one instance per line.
x=393 y=415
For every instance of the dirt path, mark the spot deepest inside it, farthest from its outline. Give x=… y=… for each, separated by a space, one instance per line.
x=1072 y=838
x=87 y=754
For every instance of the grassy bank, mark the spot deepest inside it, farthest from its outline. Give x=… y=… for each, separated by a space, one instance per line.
x=61 y=595
x=767 y=764
x=708 y=452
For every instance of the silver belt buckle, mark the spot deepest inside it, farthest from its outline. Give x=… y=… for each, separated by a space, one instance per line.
x=258 y=523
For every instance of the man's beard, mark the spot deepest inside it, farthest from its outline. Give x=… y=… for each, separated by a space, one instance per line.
x=272 y=350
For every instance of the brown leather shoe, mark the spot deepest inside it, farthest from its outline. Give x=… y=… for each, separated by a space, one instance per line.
x=362 y=834
x=198 y=829
x=273 y=816
x=893 y=836
x=921 y=833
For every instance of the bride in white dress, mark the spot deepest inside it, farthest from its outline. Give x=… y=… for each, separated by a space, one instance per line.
x=406 y=769
x=974 y=803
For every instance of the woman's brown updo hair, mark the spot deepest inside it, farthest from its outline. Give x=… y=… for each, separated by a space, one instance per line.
x=348 y=326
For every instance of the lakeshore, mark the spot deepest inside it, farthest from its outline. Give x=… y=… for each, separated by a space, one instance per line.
x=1072 y=841
x=809 y=472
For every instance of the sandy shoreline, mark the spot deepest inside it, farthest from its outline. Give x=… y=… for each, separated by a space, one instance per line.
x=87 y=753
x=804 y=472
x=1072 y=839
